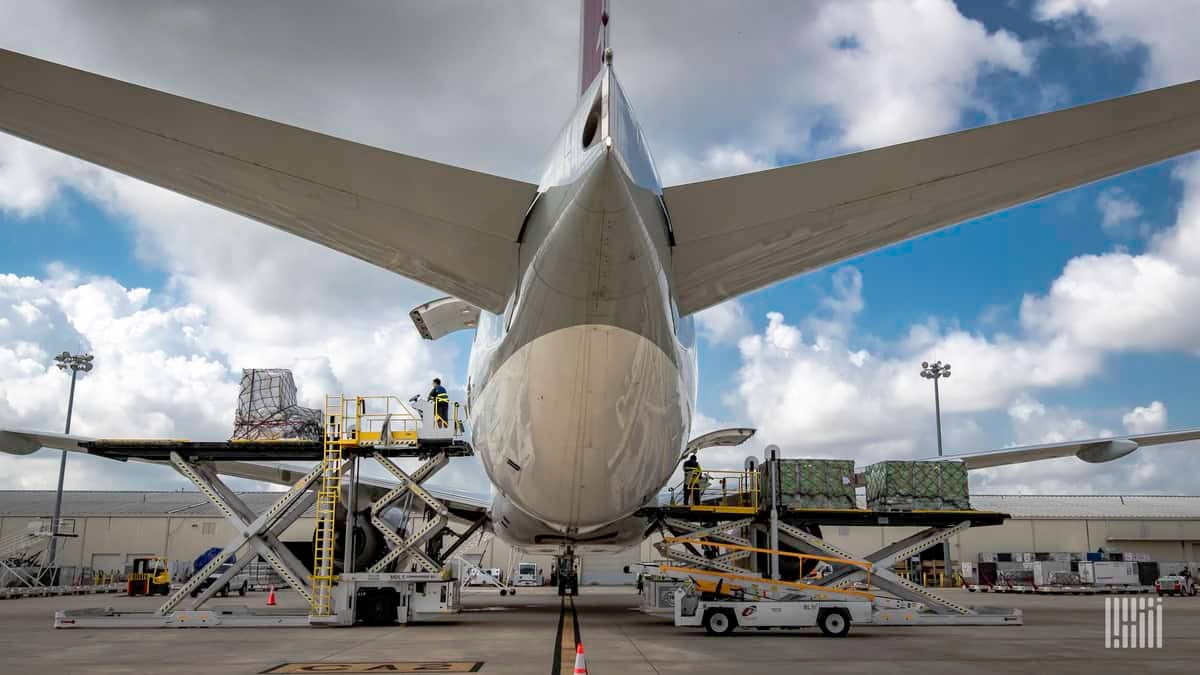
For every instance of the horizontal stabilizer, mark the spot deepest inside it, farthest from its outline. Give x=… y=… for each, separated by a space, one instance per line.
x=445 y=226
x=740 y=233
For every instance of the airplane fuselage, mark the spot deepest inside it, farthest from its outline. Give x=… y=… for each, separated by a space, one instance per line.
x=581 y=395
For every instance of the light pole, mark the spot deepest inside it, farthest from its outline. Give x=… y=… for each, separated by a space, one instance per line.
x=73 y=363
x=936 y=371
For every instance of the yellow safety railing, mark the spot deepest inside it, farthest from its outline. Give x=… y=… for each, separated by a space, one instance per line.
x=865 y=565
x=720 y=492
x=365 y=419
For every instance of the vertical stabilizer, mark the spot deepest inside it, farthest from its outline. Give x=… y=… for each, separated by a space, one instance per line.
x=593 y=38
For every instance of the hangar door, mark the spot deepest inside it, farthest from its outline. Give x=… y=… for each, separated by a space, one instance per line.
x=607 y=570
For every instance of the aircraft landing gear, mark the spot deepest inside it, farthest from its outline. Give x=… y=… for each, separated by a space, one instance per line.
x=568 y=577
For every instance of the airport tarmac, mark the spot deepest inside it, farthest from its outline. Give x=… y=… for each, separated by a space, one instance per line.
x=518 y=635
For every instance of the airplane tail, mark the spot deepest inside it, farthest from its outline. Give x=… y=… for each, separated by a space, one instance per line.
x=593 y=39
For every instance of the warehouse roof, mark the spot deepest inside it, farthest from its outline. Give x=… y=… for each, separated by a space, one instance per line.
x=1113 y=507
x=134 y=503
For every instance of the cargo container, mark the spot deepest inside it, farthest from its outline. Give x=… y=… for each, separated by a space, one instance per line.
x=969 y=572
x=1043 y=569
x=987 y=573
x=1107 y=573
x=1147 y=572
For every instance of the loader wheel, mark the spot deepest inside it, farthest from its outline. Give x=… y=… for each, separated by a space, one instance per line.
x=834 y=622
x=242 y=590
x=719 y=622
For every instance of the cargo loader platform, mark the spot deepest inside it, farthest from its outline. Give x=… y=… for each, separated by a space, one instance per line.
x=262 y=451
x=835 y=517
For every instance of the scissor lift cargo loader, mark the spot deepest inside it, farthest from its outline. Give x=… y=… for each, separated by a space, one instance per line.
x=199 y=463
x=717 y=540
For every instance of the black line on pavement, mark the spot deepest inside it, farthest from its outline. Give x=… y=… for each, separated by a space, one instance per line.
x=556 y=662
x=575 y=623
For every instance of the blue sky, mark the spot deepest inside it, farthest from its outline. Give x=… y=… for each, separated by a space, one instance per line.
x=210 y=276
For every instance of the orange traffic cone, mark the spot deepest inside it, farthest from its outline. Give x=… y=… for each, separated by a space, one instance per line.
x=580 y=662
x=271 y=597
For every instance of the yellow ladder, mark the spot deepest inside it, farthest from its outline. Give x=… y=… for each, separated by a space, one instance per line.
x=327 y=500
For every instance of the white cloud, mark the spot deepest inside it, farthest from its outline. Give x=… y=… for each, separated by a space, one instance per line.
x=804 y=79
x=1124 y=301
x=1024 y=409
x=717 y=161
x=1163 y=26
x=1146 y=419
x=1118 y=211
x=723 y=323
x=912 y=69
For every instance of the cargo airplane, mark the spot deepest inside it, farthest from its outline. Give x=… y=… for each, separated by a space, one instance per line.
x=582 y=289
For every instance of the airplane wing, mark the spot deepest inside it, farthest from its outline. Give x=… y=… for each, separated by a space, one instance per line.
x=22 y=442
x=736 y=234
x=1096 y=450
x=448 y=227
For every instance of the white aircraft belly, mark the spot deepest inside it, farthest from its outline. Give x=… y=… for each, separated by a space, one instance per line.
x=591 y=416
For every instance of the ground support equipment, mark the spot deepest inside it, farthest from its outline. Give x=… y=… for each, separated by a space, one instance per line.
x=353 y=435
x=393 y=598
x=909 y=604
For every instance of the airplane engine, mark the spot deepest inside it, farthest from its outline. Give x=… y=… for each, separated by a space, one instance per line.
x=369 y=544
x=1106 y=451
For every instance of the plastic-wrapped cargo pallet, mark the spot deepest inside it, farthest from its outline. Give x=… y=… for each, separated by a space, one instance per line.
x=917 y=486
x=814 y=483
x=267 y=408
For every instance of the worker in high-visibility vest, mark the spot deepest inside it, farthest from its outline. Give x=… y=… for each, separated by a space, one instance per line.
x=691 y=480
x=441 y=404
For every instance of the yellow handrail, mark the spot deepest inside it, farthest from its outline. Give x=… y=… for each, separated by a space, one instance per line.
x=733 y=489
